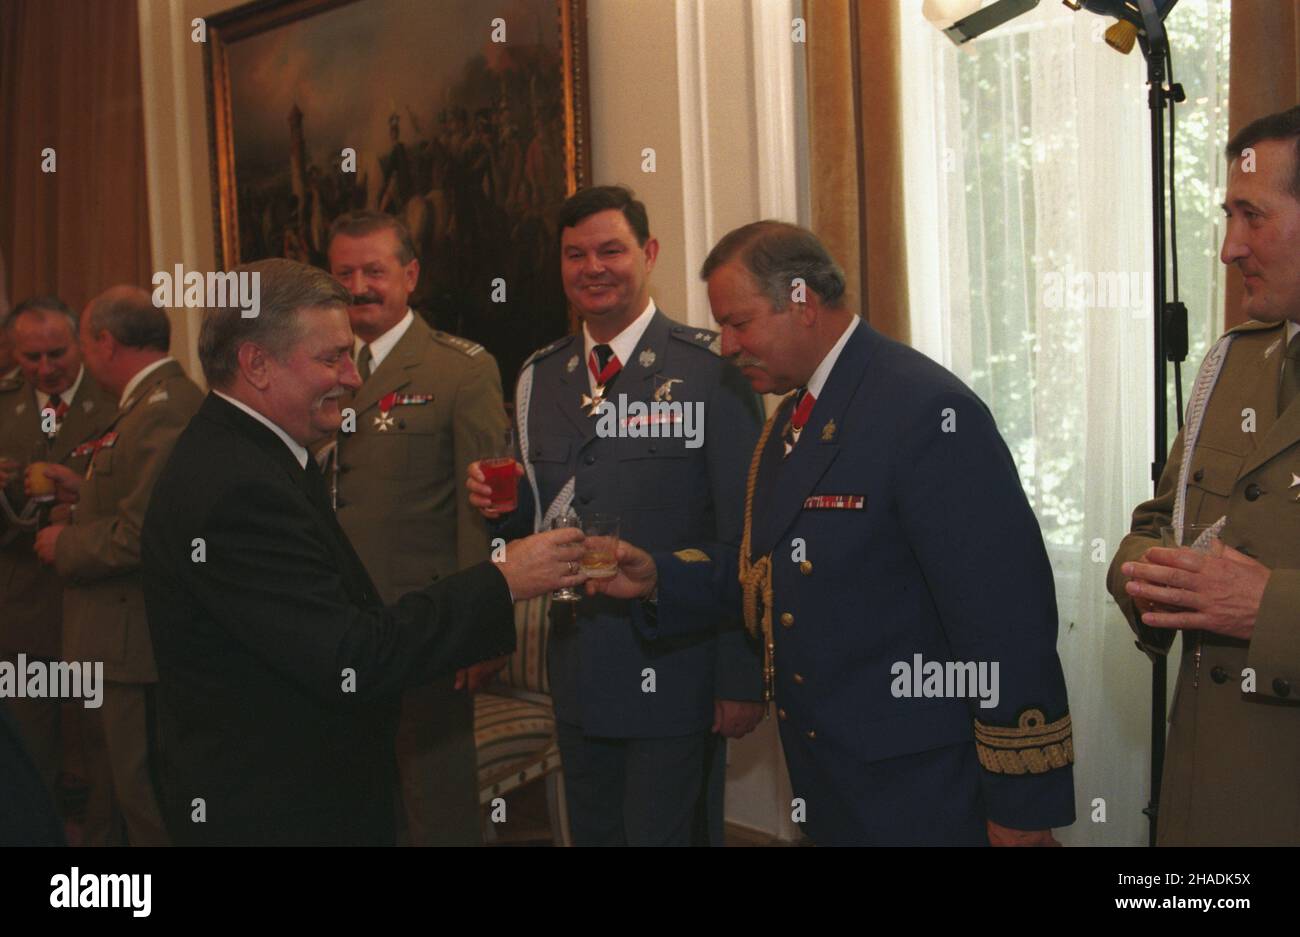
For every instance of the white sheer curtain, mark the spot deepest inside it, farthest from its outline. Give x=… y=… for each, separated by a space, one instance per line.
x=1028 y=211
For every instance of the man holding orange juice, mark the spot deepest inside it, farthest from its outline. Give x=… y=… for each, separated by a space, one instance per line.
x=45 y=414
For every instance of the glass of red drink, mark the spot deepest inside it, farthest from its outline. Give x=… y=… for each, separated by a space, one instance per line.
x=500 y=475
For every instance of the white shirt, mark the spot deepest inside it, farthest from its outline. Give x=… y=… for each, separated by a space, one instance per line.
x=298 y=451
x=381 y=346
x=140 y=375
x=818 y=379
x=623 y=344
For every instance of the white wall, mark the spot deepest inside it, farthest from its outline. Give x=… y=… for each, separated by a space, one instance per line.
x=710 y=85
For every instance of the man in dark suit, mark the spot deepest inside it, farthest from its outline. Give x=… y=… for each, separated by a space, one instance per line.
x=280 y=671
x=891 y=566
x=641 y=723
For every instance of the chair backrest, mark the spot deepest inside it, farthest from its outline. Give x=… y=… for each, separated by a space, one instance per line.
x=527 y=667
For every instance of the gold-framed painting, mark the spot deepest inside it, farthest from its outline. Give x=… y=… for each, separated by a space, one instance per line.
x=469 y=122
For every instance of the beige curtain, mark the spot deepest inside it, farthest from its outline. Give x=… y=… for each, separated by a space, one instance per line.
x=1263 y=78
x=856 y=157
x=70 y=81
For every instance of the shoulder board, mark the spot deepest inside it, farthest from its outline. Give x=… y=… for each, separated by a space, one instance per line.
x=1254 y=325
x=550 y=349
x=707 y=339
x=463 y=345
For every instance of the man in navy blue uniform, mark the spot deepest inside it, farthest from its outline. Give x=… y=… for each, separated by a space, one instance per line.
x=638 y=416
x=889 y=563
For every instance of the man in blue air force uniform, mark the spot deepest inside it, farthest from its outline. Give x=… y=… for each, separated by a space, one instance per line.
x=640 y=720
x=891 y=566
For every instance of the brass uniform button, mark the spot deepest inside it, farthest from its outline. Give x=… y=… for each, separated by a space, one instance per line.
x=806 y=568
x=798 y=678
x=787 y=619
x=811 y=733
x=782 y=713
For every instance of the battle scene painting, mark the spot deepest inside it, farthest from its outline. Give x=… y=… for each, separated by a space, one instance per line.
x=466 y=122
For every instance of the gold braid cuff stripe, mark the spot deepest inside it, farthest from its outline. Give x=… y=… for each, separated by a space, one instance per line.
x=1033 y=747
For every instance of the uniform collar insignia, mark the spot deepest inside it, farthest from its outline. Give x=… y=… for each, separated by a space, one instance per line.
x=828 y=431
x=647 y=358
x=572 y=364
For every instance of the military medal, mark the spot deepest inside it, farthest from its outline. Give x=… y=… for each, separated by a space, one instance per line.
x=594 y=401
x=107 y=441
x=384 y=422
x=835 y=502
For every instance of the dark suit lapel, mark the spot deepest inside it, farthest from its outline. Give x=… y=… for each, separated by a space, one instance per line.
x=355 y=578
x=787 y=482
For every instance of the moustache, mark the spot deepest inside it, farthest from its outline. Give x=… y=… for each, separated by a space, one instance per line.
x=366 y=299
x=745 y=361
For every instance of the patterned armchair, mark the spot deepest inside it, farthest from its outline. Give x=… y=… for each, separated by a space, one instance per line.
x=514 y=726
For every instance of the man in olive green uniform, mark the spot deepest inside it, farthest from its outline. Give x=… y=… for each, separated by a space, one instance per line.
x=1233 y=766
x=124 y=340
x=430 y=404
x=56 y=406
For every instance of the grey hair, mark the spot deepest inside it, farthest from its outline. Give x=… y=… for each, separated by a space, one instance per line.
x=46 y=304
x=357 y=224
x=285 y=287
x=777 y=253
x=129 y=315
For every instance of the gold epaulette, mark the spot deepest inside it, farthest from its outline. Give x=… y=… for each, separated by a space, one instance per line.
x=1034 y=746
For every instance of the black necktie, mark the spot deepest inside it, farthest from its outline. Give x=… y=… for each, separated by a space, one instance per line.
x=604 y=354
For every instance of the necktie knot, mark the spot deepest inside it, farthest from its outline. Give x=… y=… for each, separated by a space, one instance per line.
x=364 y=359
x=604 y=364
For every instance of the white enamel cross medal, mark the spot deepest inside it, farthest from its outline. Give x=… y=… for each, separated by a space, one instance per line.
x=384 y=422
x=593 y=403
